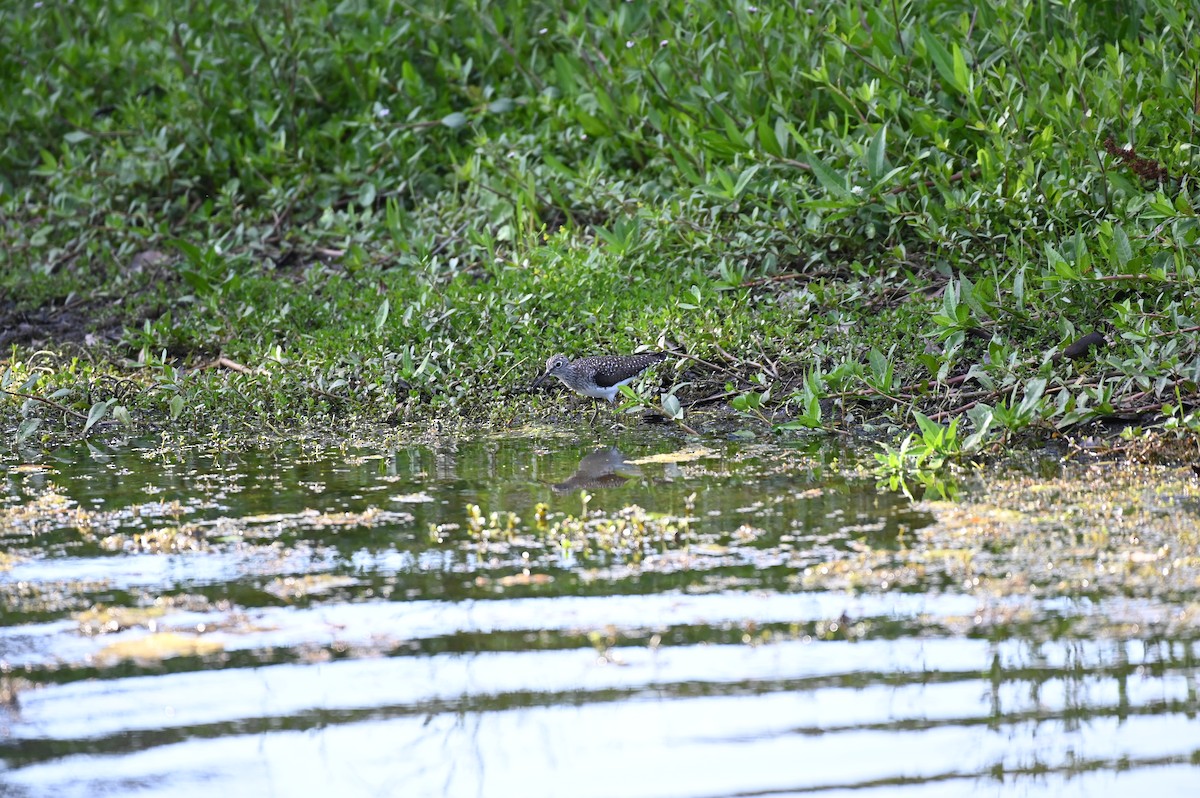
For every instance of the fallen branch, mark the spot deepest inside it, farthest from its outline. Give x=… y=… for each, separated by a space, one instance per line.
x=55 y=405
x=226 y=363
x=716 y=397
x=695 y=359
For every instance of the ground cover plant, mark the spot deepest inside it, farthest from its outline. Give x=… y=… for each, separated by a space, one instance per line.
x=274 y=216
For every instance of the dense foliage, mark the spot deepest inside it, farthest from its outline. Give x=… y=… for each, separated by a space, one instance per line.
x=275 y=212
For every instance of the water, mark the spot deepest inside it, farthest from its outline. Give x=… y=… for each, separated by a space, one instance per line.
x=335 y=620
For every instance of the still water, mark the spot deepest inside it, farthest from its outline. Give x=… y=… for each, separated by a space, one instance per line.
x=632 y=616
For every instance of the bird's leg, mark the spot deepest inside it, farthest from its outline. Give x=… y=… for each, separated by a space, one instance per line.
x=612 y=408
x=595 y=412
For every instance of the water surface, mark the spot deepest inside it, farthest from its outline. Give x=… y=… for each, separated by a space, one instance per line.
x=634 y=615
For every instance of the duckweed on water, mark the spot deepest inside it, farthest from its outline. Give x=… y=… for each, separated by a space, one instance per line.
x=627 y=534
x=153 y=648
x=171 y=539
x=101 y=619
x=50 y=510
x=292 y=588
x=1094 y=530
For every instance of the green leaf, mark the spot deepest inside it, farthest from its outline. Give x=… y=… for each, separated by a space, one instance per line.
x=733 y=136
x=1061 y=268
x=1124 y=251
x=501 y=106
x=962 y=75
x=766 y=138
x=381 y=314
x=971 y=299
x=176 y=406
x=830 y=180
x=781 y=135
x=877 y=155
x=455 y=120
x=746 y=402
x=882 y=370
x=944 y=62
x=930 y=429
x=198 y=282
x=982 y=417
x=95 y=414
x=806 y=421
x=795 y=424
x=685 y=167
x=744 y=180
x=25 y=429
x=591 y=125
x=670 y=405
x=558 y=166
x=1033 y=396
x=190 y=251
x=565 y=71
x=76 y=136
x=366 y=195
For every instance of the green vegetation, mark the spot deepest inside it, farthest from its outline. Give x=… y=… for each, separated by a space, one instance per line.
x=266 y=216
x=629 y=533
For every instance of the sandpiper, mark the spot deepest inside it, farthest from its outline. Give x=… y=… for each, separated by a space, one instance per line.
x=599 y=377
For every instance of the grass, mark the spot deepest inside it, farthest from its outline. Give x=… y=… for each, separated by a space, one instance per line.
x=231 y=217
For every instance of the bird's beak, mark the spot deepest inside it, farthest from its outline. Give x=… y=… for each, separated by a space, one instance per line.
x=540 y=380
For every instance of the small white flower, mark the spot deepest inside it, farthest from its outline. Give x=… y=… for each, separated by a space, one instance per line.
x=628 y=45
x=663 y=43
x=752 y=9
x=542 y=32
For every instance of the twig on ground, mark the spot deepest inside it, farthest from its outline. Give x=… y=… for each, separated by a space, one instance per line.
x=53 y=404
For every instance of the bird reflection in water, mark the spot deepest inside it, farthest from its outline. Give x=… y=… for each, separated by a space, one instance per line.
x=603 y=468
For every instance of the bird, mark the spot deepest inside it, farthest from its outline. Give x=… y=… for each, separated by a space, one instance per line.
x=599 y=377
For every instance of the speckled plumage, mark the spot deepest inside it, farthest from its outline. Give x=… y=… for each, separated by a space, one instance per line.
x=602 y=376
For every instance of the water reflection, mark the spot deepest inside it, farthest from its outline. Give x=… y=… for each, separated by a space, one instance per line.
x=603 y=468
x=343 y=628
